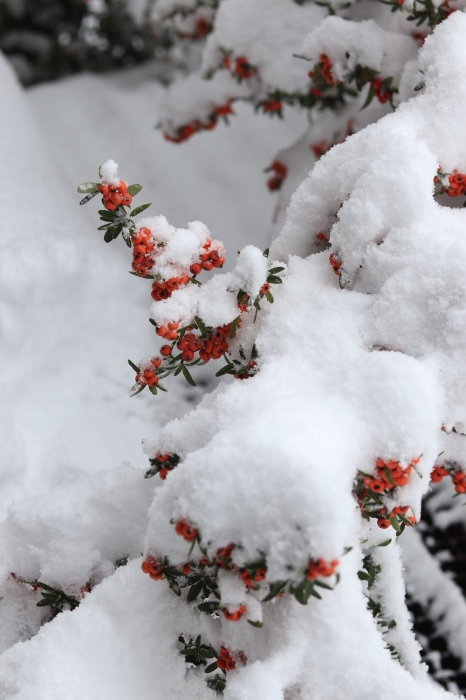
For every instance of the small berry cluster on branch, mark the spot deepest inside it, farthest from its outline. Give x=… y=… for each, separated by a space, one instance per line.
x=372 y=492
x=155 y=257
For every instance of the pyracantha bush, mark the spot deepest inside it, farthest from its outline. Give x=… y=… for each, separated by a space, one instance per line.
x=343 y=64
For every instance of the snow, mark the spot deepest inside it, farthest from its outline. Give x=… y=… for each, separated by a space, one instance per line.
x=352 y=369
x=73 y=361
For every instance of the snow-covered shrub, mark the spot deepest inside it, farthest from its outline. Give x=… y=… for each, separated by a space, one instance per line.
x=345 y=64
x=271 y=566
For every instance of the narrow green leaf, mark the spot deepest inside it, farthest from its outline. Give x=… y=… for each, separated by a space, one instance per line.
x=133 y=366
x=106 y=215
x=256 y=623
x=134 y=190
x=225 y=370
x=187 y=376
x=370 y=97
x=47 y=588
x=200 y=325
x=207 y=654
x=45 y=602
x=141 y=388
x=194 y=591
x=384 y=544
x=153 y=390
x=233 y=327
x=211 y=667
x=274 y=270
x=173 y=584
x=141 y=208
x=87 y=188
x=269 y=297
x=88 y=198
x=322 y=584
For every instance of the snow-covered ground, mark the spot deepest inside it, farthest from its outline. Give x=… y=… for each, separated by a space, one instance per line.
x=70 y=313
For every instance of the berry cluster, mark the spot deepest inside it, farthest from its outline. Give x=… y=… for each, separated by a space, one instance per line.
x=115 y=195
x=146 y=376
x=453 y=470
x=370 y=492
x=321 y=569
x=212 y=347
x=115 y=217
x=201 y=576
x=196 y=342
x=381 y=89
x=201 y=29
x=213 y=256
x=280 y=171
x=162 y=464
x=389 y=475
x=144 y=251
x=183 y=133
x=456 y=185
x=333 y=260
x=323 y=71
x=240 y=67
x=197 y=654
x=164 y=289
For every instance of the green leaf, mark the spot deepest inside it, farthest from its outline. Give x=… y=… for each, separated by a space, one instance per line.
x=88 y=198
x=153 y=390
x=104 y=227
x=200 y=325
x=363 y=576
x=45 y=602
x=141 y=208
x=133 y=366
x=384 y=544
x=173 y=584
x=47 y=588
x=266 y=253
x=211 y=667
x=209 y=606
x=106 y=215
x=187 y=375
x=207 y=653
x=274 y=280
x=134 y=190
x=233 y=327
x=322 y=584
x=87 y=188
x=141 y=388
x=274 y=270
x=395 y=524
x=370 y=97
x=315 y=593
x=256 y=623
x=112 y=232
x=109 y=234
x=302 y=591
x=194 y=591
x=117 y=230
x=225 y=370
x=269 y=297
